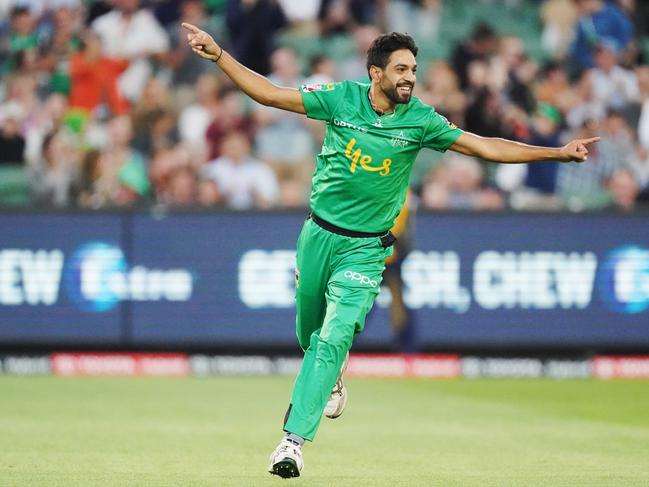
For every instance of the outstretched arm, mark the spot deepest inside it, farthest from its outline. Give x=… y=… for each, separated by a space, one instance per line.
x=507 y=151
x=252 y=84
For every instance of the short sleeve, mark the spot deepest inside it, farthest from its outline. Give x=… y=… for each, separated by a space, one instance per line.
x=440 y=134
x=320 y=100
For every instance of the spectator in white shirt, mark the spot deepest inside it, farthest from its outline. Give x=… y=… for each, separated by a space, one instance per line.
x=132 y=33
x=613 y=86
x=243 y=182
x=196 y=118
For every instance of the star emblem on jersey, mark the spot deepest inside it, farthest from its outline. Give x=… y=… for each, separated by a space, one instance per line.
x=399 y=140
x=378 y=123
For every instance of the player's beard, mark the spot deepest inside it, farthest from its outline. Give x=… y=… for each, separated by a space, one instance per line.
x=392 y=92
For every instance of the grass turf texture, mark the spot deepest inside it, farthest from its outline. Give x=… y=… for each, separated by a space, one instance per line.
x=220 y=431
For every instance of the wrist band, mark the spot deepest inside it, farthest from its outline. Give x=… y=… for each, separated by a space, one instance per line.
x=220 y=54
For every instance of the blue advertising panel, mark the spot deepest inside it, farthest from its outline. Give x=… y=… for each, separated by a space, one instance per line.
x=53 y=271
x=530 y=280
x=209 y=279
x=235 y=272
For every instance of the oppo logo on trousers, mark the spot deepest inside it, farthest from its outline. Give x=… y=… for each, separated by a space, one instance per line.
x=357 y=276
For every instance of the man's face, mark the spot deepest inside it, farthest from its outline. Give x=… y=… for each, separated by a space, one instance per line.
x=397 y=80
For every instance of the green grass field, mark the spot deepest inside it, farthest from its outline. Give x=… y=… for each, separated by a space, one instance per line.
x=220 y=431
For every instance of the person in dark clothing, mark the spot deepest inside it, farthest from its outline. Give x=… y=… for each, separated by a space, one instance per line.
x=12 y=143
x=252 y=24
x=482 y=43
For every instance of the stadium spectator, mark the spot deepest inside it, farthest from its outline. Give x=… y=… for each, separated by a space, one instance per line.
x=54 y=179
x=442 y=90
x=252 y=25
x=335 y=17
x=581 y=187
x=175 y=178
x=302 y=15
x=559 y=20
x=55 y=52
x=598 y=20
x=479 y=47
x=613 y=86
x=195 y=119
x=584 y=108
x=12 y=142
x=322 y=69
x=338 y=17
x=420 y=18
x=132 y=33
x=186 y=68
x=458 y=184
x=533 y=186
x=22 y=35
x=231 y=115
x=283 y=138
x=154 y=121
x=89 y=193
x=354 y=68
x=554 y=87
x=623 y=188
x=643 y=128
x=182 y=187
x=22 y=89
x=485 y=115
x=243 y=182
x=618 y=144
x=94 y=85
x=124 y=180
x=52 y=116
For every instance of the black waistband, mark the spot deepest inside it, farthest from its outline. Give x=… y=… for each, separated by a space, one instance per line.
x=342 y=231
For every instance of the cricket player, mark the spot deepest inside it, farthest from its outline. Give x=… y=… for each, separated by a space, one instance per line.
x=374 y=132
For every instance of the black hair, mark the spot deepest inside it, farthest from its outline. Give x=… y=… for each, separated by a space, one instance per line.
x=19 y=10
x=384 y=45
x=482 y=32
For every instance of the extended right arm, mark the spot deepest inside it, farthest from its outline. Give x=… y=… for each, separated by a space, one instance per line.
x=252 y=84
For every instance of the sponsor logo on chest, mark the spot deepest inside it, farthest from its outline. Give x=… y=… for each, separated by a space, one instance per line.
x=397 y=140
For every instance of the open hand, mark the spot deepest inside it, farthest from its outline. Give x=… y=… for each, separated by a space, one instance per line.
x=202 y=43
x=577 y=150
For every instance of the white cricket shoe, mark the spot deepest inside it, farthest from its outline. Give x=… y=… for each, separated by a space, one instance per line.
x=338 y=399
x=286 y=461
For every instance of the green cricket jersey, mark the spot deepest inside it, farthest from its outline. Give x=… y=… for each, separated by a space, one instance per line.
x=362 y=173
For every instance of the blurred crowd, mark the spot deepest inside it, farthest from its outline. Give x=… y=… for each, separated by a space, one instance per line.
x=102 y=104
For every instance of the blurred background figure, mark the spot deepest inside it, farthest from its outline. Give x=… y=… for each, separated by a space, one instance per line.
x=132 y=33
x=541 y=72
x=54 y=180
x=187 y=68
x=252 y=25
x=242 y=182
x=459 y=184
x=420 y=18
x=94 y=79
x=12 y=142
x=123 y=180
x=598 y=20
x=354 y=67
x=283 y=139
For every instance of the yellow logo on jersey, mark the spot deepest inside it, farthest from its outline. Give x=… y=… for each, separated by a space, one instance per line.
x=357 y=157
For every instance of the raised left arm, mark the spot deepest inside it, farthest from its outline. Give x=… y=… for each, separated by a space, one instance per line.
x=508 y=151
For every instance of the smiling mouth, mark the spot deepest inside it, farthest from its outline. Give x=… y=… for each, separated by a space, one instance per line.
x=405 y=89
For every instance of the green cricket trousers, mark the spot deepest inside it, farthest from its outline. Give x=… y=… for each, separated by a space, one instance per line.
x=337 y=279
